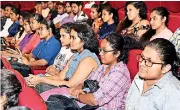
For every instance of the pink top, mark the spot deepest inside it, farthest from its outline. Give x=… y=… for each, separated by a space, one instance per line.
x=166 y=34
x=32 y=43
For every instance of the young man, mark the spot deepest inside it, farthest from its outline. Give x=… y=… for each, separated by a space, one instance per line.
x=8 y=23
x=77 y=10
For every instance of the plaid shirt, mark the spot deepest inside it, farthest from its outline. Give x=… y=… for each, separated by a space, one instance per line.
x=113 y=86
x=175 y=39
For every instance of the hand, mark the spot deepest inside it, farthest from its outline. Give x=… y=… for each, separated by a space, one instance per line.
x=25 y=61
x=33 y=80
x=76 y=93
x=98 y=23
x=51 y=70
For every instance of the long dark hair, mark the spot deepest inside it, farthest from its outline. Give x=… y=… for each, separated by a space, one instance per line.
x=126 y=22
x=167 y=53
x=87 y=35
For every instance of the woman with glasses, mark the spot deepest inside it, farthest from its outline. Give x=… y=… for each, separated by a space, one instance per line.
x=156 y=86
x=113 y=76
x=47 y=49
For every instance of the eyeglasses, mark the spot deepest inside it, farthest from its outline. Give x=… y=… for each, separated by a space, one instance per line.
x=105 y=51
x=148 y=62
x=42 y=28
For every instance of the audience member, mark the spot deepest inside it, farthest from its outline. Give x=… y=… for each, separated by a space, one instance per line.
x=135 y=21
x=156 y=86
x=45 y=9
x=53 y=12
x=77 y=10
x=10 y=89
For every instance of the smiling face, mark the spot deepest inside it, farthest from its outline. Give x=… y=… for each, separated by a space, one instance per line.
x=76 y=43
x=154 y=72
x=65 y=38
x=94 y=13
x=132 y=12
x=107 y=54
x=156 y=20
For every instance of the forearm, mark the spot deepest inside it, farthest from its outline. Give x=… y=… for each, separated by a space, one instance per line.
x=53 y=82
x=87 y=99
x=37 y=63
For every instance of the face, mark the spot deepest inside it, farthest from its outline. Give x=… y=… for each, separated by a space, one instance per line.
x=132 y=12
x=7 y=11
x=13 y=16
x=26 y=26
x=75 y=9
x=2 y=12
x=44 y=5
x=94 y=13
x=68 y=8
x=43 y=31
x=50 y=5
x=106 y=16
x=60 y=9
x=154 y=72
x=65 y=38
x=34 y=24
x=107 y=53
x=76 y=43
x=156 y=20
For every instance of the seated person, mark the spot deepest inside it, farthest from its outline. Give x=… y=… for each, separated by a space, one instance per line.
x=159 y=20
x=81 y=64
x=110 y=19
x=175 y=40
x=135 y=22
x=35 y=20
x=113 y=76
x=156 y=86
x=10 y=89
x=47 y=49
x=4 y=32
x=65 y=53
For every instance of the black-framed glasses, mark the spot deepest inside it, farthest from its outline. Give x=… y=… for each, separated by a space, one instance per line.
x=105 y=51
x=148 y=62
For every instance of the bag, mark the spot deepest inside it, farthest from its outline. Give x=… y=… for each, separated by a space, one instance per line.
x=92 y=85
x=25 y=70
x=60 y=102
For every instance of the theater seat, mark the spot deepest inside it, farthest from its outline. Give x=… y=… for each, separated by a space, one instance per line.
x=87 y=11
x=38 y=70
x=28 y=96
x=133 y=65
x=6 y=63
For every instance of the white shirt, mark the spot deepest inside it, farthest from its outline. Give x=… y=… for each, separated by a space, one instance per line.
x=45 y=12
x=166 y=34
x=59 y=18
x=82 y=16
x=62 y=58
x=4 y=32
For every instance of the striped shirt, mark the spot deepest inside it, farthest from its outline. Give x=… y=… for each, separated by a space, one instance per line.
x=113 y=86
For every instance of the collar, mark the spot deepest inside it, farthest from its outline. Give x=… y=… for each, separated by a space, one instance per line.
x=160 y=83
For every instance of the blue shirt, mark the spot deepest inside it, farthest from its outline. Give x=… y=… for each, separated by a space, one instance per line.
x=13 y=29
x=106 y=28
x=77 y=57
x=163 y=95
x=47 y=50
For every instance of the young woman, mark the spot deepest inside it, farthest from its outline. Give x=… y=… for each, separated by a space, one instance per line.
x=159 y=18
x=65 y=53
x=113 y=76
x=47 y=49
x=14 y=15
x=156 y=86
x=96 y=17
x=110 y=19
x=35 y=20
x=159 y=21
x=80 y=65
x=135 y=21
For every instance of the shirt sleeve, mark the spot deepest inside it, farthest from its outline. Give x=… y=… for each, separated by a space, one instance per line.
x=118 y=81
x=51 y=51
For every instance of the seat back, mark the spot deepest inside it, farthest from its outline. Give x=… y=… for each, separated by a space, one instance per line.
x=6 y=63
